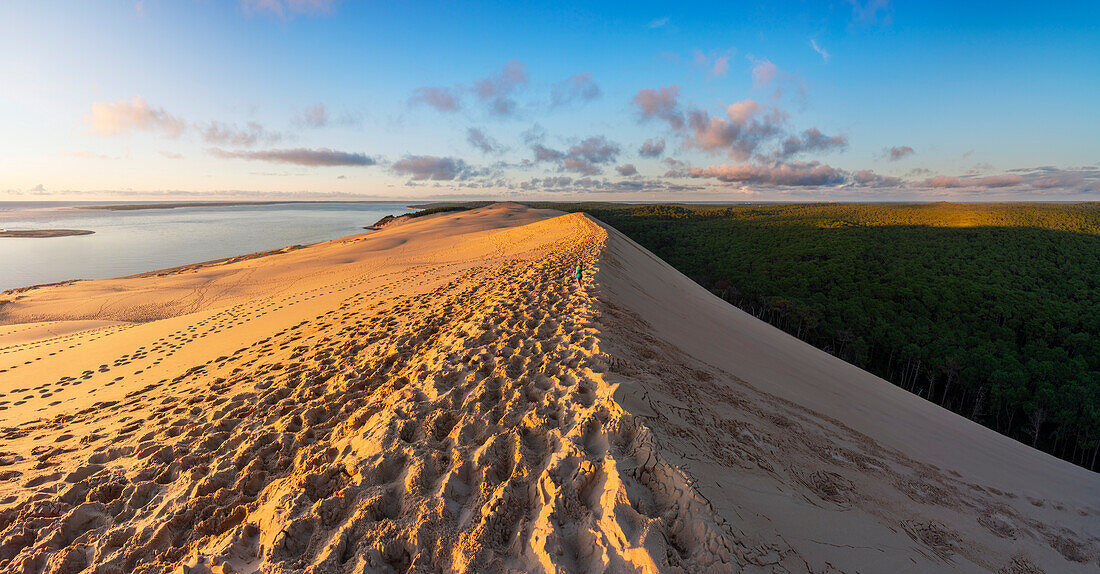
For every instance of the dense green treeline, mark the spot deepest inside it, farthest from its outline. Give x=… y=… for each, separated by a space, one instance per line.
x=990 y=310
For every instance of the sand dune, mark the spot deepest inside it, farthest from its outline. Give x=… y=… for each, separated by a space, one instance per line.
x=443 y=395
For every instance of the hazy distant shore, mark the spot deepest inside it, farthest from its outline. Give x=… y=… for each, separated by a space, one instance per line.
x=44 y=232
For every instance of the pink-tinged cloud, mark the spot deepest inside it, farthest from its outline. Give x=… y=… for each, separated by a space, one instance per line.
x=483 y=142
x=899 y=152
x=868 y=10
x=660 y=103
x=763 y=73
x=721 y=66
x=713 y=64
x=426 y=167
x=676 y=168
x=253 y=133
x=868 y=178
x=577 y=88
x=781 y=174
x=288 y=8
x=442 y=99
x=315 y=116
x=746 y=127
x=320 y=157
x=743 y=111
x=135 y=114
x=627 y=170
x=652 y=148
x=543 y=153
x=992 y=181
x=497 y=89
x=811 y=140
x=84 y=154
x=580 y=165
x=584 y=158
x=596 y=149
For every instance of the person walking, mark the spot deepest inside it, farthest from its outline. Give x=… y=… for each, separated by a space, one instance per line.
x=580 y=274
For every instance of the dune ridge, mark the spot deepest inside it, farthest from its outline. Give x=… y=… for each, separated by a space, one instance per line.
x=445 y=396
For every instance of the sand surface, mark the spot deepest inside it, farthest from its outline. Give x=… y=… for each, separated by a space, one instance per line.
x=443 y=395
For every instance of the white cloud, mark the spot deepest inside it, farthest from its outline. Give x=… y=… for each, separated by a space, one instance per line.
x=822 y=51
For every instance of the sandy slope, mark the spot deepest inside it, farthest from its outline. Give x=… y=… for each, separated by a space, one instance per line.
x=442 y=395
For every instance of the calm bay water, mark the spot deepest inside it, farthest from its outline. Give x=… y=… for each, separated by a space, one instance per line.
x=128 y=242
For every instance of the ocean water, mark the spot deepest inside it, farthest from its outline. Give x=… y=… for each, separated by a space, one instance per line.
x=128 y=242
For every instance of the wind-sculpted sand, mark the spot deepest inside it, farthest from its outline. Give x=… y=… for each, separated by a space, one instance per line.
x=443 y=395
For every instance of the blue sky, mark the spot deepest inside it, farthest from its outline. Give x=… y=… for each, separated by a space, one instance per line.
x=869 y=100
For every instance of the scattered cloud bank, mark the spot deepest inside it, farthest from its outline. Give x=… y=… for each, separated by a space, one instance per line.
x=427 y=167
x=125 y=116
x=1039 y=181
x=586 y=185
x=320 y=157
x=757 y=148
x=498 y=91
x=783 y=174
x=753 y=134
x=992 y=181
x=135 y=114
x=585 y=157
